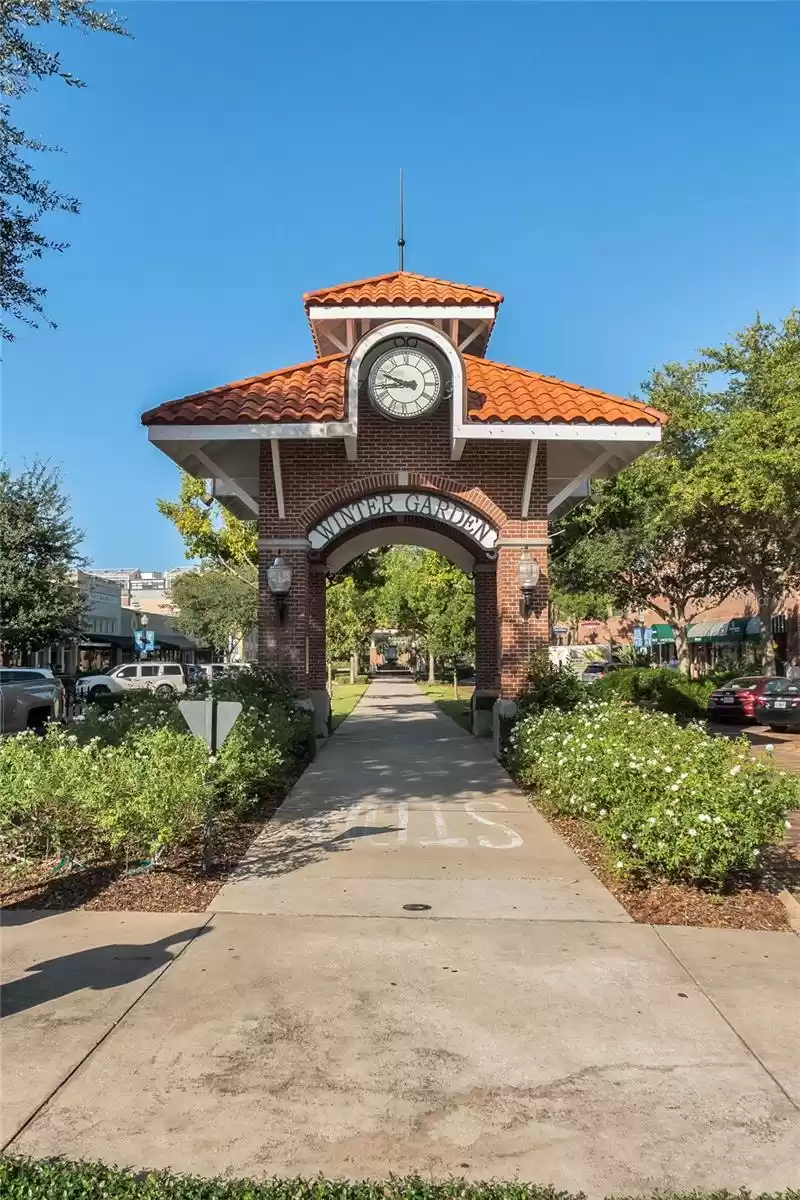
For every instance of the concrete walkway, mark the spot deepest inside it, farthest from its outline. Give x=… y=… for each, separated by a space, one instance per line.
x=402 y=807
x=520 y=1025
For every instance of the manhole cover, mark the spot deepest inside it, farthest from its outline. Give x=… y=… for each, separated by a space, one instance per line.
x=416 y=907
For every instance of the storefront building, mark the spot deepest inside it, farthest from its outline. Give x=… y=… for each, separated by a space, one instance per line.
x=720 y=637
x=107 y=636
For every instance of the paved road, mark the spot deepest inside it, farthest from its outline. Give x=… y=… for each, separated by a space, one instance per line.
x=520 y=1024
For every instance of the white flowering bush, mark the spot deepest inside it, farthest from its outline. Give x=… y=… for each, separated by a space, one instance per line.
x=668 y=800
x=114 y=718
x=260 y=756
x=89 y=801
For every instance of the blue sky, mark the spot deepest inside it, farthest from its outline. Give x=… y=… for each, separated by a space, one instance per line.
x=627 y=174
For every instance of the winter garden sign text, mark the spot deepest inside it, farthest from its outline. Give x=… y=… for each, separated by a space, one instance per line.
x=404 y=504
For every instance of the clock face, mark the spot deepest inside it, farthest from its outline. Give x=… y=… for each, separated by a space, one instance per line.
x=404 y=382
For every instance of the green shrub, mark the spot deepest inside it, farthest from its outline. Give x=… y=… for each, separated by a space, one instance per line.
x=129 y=780
x=549 y=686
x=56 y=1179
x=656 y=688
x=261 y=754
x=58 y=797
x=44 y=785
x=254 y=687
x=114 y=718
x=669 y=800
x=157 y=795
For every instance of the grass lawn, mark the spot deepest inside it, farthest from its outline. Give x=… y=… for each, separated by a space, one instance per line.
x=442 y=694
x=344 y=699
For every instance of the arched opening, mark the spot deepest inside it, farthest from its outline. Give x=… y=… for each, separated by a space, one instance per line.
x=455 y=634
x=378 y=537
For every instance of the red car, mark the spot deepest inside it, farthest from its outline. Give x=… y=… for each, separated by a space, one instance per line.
x=739 y=698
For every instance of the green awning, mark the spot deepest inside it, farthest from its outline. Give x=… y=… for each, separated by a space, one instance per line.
x=662 y=634
x=734 y=631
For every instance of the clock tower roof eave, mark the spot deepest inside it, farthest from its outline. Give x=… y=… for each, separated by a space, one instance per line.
x=401 y=289
x=315 y=391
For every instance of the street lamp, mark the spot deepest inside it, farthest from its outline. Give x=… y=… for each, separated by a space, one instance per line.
x=144 y=621
x=528 y=572
x=279 y=582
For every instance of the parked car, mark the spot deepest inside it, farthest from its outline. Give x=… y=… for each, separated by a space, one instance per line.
x=738 y=699
x=163 y=678
x=596 y=670
x=29 y=698
x=209 y=671
x=779 y=706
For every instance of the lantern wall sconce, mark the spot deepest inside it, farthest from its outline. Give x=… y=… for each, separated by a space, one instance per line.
x=528 y=572
x=279 y=582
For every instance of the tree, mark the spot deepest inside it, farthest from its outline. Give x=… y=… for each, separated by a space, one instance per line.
x=633 y=542
x=451 y=626
x=211 y=533
x=349 y=619
x=714 y=509
x=25 y=198
x=750 y=472
x=638 y=539
x=40 y=601
x=570 y=608
x=215 y=607
x=429 y=599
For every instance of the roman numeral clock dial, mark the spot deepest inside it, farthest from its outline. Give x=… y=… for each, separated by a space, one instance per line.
x=404 y=383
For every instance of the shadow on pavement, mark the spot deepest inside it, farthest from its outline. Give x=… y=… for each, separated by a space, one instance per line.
x=100 y=968
x=396 y=749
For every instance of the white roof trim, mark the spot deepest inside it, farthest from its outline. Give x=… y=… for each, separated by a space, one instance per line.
x=258 y=432
x=347 y=429
x=561 y=433
x=402 y=312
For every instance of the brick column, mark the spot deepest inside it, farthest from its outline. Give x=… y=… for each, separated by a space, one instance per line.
x=283 y=644
x=317 y=584
x=317 y=681
x=519 y=635
x=487 y=684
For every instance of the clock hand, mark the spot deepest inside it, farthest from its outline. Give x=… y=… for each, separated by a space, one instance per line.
x=393 y=381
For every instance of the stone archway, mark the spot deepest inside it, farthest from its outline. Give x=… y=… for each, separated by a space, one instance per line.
x=430 y=519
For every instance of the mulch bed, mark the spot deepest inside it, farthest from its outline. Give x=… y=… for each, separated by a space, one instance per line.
x=177 y=884
x=752 y=903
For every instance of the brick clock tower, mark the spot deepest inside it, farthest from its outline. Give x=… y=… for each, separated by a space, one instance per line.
x=401 y=430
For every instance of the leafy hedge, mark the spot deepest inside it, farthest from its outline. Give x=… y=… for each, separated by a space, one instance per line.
x=128 y=780
x=656 y=688
x=549 y=686
x=668 y=800
x=58 y=797
x=22 y=1179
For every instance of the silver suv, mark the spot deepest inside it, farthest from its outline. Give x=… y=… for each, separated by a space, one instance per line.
x=29 y=698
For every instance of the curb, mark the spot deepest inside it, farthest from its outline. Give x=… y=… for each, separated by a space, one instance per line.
x=792 y=906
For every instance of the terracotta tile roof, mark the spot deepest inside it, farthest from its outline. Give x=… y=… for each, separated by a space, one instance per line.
x=401 y=287
x=498 y=393
x=314 y=391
